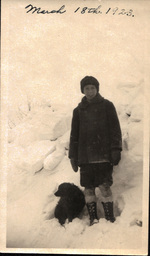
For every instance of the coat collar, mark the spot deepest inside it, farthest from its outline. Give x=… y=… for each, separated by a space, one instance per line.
x=84 y=103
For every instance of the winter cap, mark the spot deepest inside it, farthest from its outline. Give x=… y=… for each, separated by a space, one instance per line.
x=89 y=80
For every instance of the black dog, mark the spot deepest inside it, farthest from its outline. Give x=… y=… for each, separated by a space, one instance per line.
x=71 y=202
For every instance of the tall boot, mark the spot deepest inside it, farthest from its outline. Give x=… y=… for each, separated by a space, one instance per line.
x=92 y=210
x=108 y=210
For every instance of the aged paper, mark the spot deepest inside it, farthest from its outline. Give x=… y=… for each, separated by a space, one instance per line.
x=47 y=48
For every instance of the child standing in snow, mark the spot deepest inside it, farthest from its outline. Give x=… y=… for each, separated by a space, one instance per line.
x=95 y=146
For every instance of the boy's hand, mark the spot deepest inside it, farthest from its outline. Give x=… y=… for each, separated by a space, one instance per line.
x=74 y=164
x=115 y=156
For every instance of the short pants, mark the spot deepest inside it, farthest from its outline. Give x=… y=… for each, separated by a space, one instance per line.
x=95 y=174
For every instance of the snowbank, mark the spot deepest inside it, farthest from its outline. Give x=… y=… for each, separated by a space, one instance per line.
x=44 y=145
x=54 y=159
x=40 y=124
x=31 y=158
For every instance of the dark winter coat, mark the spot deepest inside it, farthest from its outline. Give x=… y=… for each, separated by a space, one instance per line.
x=95 y=131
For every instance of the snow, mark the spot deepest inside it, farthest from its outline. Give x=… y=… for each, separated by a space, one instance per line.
x=42 y=67
x=31 y=158
x=36 y=169
x=33 y=129
x=54 y=159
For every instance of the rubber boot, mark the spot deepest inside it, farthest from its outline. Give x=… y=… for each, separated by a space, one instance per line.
x=92 y=213
x=108 y=210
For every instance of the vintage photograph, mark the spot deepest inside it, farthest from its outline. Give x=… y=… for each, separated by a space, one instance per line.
x=75 y=126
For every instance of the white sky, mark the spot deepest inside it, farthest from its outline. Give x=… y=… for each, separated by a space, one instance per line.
x=49 y=54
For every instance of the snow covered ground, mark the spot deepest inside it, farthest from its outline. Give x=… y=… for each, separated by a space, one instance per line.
x=38 y=163
x=43 y=62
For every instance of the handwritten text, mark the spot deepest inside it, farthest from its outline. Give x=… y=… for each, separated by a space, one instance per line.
x=100 y=10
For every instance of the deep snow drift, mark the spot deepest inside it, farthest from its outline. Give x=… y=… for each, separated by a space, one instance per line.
x=38 y=163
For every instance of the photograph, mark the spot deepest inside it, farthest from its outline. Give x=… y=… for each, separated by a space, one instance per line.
x=75 y=127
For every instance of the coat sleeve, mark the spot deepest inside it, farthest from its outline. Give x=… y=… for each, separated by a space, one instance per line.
x=74 y=135
x=114 y=127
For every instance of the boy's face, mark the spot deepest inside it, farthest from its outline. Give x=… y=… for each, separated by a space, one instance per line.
x=90 y=91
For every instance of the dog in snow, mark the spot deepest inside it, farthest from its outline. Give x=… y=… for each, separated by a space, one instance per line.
x=70 y=204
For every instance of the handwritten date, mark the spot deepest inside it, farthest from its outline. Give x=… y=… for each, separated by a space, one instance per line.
x=81 y=10
x=110 y=10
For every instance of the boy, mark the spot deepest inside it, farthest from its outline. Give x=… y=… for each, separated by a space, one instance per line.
x=95 y=146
